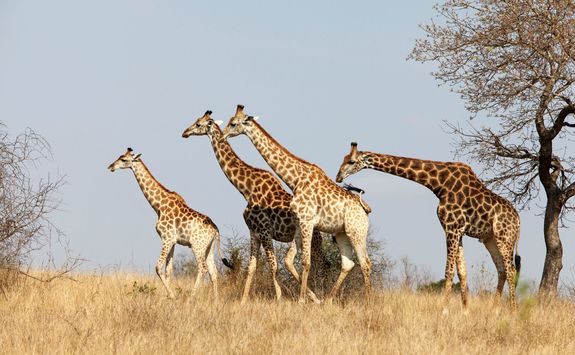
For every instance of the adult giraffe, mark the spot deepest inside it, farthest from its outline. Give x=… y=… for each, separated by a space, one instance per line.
x=267 y=215
x=466 y=206
x=318 y=202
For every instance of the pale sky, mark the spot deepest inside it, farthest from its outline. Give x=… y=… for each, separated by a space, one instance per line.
x=96 y=77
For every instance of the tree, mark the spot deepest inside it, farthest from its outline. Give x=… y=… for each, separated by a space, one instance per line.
x=25 y=201
x=514 y=61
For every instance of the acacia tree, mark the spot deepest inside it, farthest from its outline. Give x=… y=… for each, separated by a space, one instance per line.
x=513 y=61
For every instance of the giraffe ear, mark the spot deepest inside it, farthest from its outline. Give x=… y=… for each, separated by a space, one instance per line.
x=137 y=157
x=218 y=122
x=253 y=118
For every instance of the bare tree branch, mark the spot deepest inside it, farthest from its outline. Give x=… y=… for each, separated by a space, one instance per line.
x=514 y=61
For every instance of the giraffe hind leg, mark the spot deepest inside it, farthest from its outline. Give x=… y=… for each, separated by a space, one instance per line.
x=497 y=258
x=252 y=264
x=211 y=267
x=462 y=274
x=346 y=252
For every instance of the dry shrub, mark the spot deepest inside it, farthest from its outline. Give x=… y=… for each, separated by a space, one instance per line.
x=324 y=271
x=26 y=202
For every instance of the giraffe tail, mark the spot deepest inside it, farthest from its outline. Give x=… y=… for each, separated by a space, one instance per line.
x=517 y=261
x=225 y=261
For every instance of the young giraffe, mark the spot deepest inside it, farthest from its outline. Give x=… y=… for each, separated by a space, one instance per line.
x=177 y=223
x=267 y=214
x=466 y=206
x=318 y=202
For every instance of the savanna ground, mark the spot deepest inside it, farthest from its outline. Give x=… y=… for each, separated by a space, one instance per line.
x=129 y=313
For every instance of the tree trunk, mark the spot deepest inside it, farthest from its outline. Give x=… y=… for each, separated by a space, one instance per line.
x=553 y=258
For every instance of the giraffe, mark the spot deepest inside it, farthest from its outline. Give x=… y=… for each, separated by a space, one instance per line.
x=267 y=213
x=466 y=206
x=318 y=203
x=177 y=224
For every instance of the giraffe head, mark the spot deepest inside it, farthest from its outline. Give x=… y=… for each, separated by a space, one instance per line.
x=240 y=123
x=352 y=163
x=203 y=125
x=125 y=161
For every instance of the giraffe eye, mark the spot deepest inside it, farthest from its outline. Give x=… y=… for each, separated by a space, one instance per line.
x=124 y=160
x=233 y=124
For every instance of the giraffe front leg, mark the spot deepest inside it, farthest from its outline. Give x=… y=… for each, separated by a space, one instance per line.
x=452 y=254
x=288 y=260
x=252 y=264
x=306 y=232
x=167 y=250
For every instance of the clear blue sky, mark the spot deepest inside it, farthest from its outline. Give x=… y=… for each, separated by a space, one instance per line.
x=96 y=77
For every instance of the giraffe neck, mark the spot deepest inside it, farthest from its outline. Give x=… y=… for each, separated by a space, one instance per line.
x=152 y=189
x=424 y=172
x=288 y=167
x=230 y=163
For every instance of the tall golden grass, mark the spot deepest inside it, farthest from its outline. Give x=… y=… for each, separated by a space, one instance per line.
x=129 y=313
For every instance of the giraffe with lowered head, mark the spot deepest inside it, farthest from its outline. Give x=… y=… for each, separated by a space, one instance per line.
x=177 y=224
x=466 y=206
x=318 y=203
x=267 y=214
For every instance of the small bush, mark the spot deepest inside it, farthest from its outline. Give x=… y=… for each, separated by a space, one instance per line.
x=438 y=287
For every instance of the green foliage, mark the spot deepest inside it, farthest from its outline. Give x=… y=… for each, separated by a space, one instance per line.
x=142 y=288
x=438 y=287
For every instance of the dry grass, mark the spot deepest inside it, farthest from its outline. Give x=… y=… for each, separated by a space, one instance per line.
x=111 y=314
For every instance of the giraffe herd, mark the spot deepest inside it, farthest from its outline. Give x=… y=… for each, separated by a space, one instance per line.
x=318 y=204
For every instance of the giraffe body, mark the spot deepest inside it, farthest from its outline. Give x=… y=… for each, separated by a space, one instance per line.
x=318 y=203
x=466 y=207
x=177 y=224
x=267 y=214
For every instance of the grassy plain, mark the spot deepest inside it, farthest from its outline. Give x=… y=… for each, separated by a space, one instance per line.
x=129 y=313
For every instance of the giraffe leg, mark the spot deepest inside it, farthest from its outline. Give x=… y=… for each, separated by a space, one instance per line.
x=491 y=246
x=254 y=252
x=212 y=270
x=202 y=268
x=288 y=260
x=169 y=264
x=364 y=262
x=346 y=252
x=271 y=258
x=509 y=266
x=318 y=260
x=462 y=274
x=167 y=249
x=306 y=232
x=452 y=238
